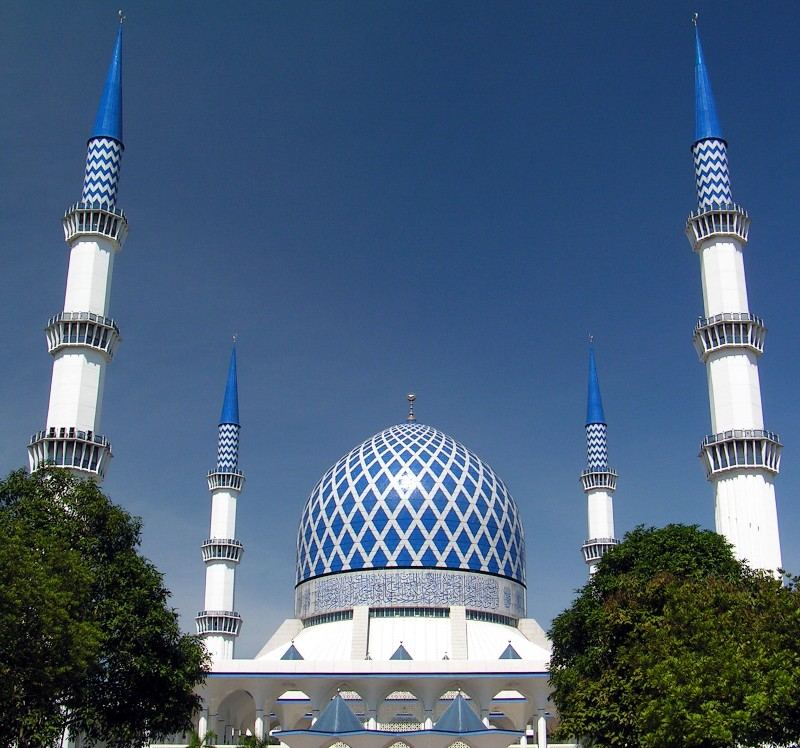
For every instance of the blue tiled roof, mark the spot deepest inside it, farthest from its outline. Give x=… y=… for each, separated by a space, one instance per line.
x=509 y=653
x=292 y=653
x=401 y=653
x=706 y=122
x=108 y=121
x=459 y=718
x=337 y=717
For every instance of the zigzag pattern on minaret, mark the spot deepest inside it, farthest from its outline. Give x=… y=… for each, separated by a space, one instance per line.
x=712 y=179
x=228 y=448
x=103 y=158
x=597 y=447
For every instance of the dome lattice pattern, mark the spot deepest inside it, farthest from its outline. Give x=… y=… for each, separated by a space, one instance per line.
x=410 y=496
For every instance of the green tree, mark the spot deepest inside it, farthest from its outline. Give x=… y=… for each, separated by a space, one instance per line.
x=674 y=643
x=88 y=642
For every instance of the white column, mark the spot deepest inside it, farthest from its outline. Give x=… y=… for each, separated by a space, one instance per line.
x=541 y=730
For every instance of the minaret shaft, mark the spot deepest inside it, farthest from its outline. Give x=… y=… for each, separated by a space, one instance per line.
x=740 y=456
x=91 y=263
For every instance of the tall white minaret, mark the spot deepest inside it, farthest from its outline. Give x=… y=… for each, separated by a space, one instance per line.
x=599 y=480
x=219 y=624
x=82 y=339
x=741 y=457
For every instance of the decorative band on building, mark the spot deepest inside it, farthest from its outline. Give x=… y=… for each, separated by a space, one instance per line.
x=222 y=549
x=410 y=588
x=729 y=330
x=218 y=622
x=82 y=218
x=591 y=479
x=741 y=449
x=82 y=329
x=234 y=480
x=68 y=447
x=728 y=220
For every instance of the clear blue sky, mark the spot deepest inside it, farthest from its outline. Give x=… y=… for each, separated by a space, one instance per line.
x=392 y=196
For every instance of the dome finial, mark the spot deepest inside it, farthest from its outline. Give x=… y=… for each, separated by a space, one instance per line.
x=411 y=397
x=122 y=16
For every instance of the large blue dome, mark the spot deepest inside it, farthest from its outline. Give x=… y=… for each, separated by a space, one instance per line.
x=410 y=497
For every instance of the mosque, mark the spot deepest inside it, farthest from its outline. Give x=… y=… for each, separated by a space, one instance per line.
x=411 y=624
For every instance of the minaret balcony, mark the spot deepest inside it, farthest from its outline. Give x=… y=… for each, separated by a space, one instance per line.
x=592 y=479
x=741 y=449
x=231 y=479
x=729 y=330
x=83 y=329
x=593 y=550
x=81 y=219
x=718 y=220
x=218 y=622
x=222 y=549
x=67 y=447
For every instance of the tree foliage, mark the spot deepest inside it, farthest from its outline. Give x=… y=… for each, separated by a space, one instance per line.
x=674 y=643
x=88 y=642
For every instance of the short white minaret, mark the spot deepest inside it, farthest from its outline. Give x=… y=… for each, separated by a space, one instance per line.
x=598 y=480
x=741 y=457
x=219 y=624
x=82 y=338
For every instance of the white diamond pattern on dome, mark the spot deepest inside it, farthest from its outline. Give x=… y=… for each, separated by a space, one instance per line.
x=410 y=497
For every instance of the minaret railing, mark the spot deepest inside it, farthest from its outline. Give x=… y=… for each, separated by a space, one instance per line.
x=222 y=549
x=231 y=479
x=593 y=550
x=82 y=329
x=71 y=448
x=719 y=220
x=81 y=219
x=729 y=330
x=741 y=449
x=218 y=622
x=592 y=479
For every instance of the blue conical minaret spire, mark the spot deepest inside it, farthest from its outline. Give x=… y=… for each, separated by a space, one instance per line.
x=230 y=404
x=594 y=403
x=108 y=120
x=710 y=151
x=706 y=121
x=599 y=480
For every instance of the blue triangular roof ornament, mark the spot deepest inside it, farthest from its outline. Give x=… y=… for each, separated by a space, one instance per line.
x=230 y=405
x=459 y=718
x=706 y=122
x=337 y=718
x=509 y=653
x=292 y=653
x=594 y=403
x=401 y=653
x=108 y=121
